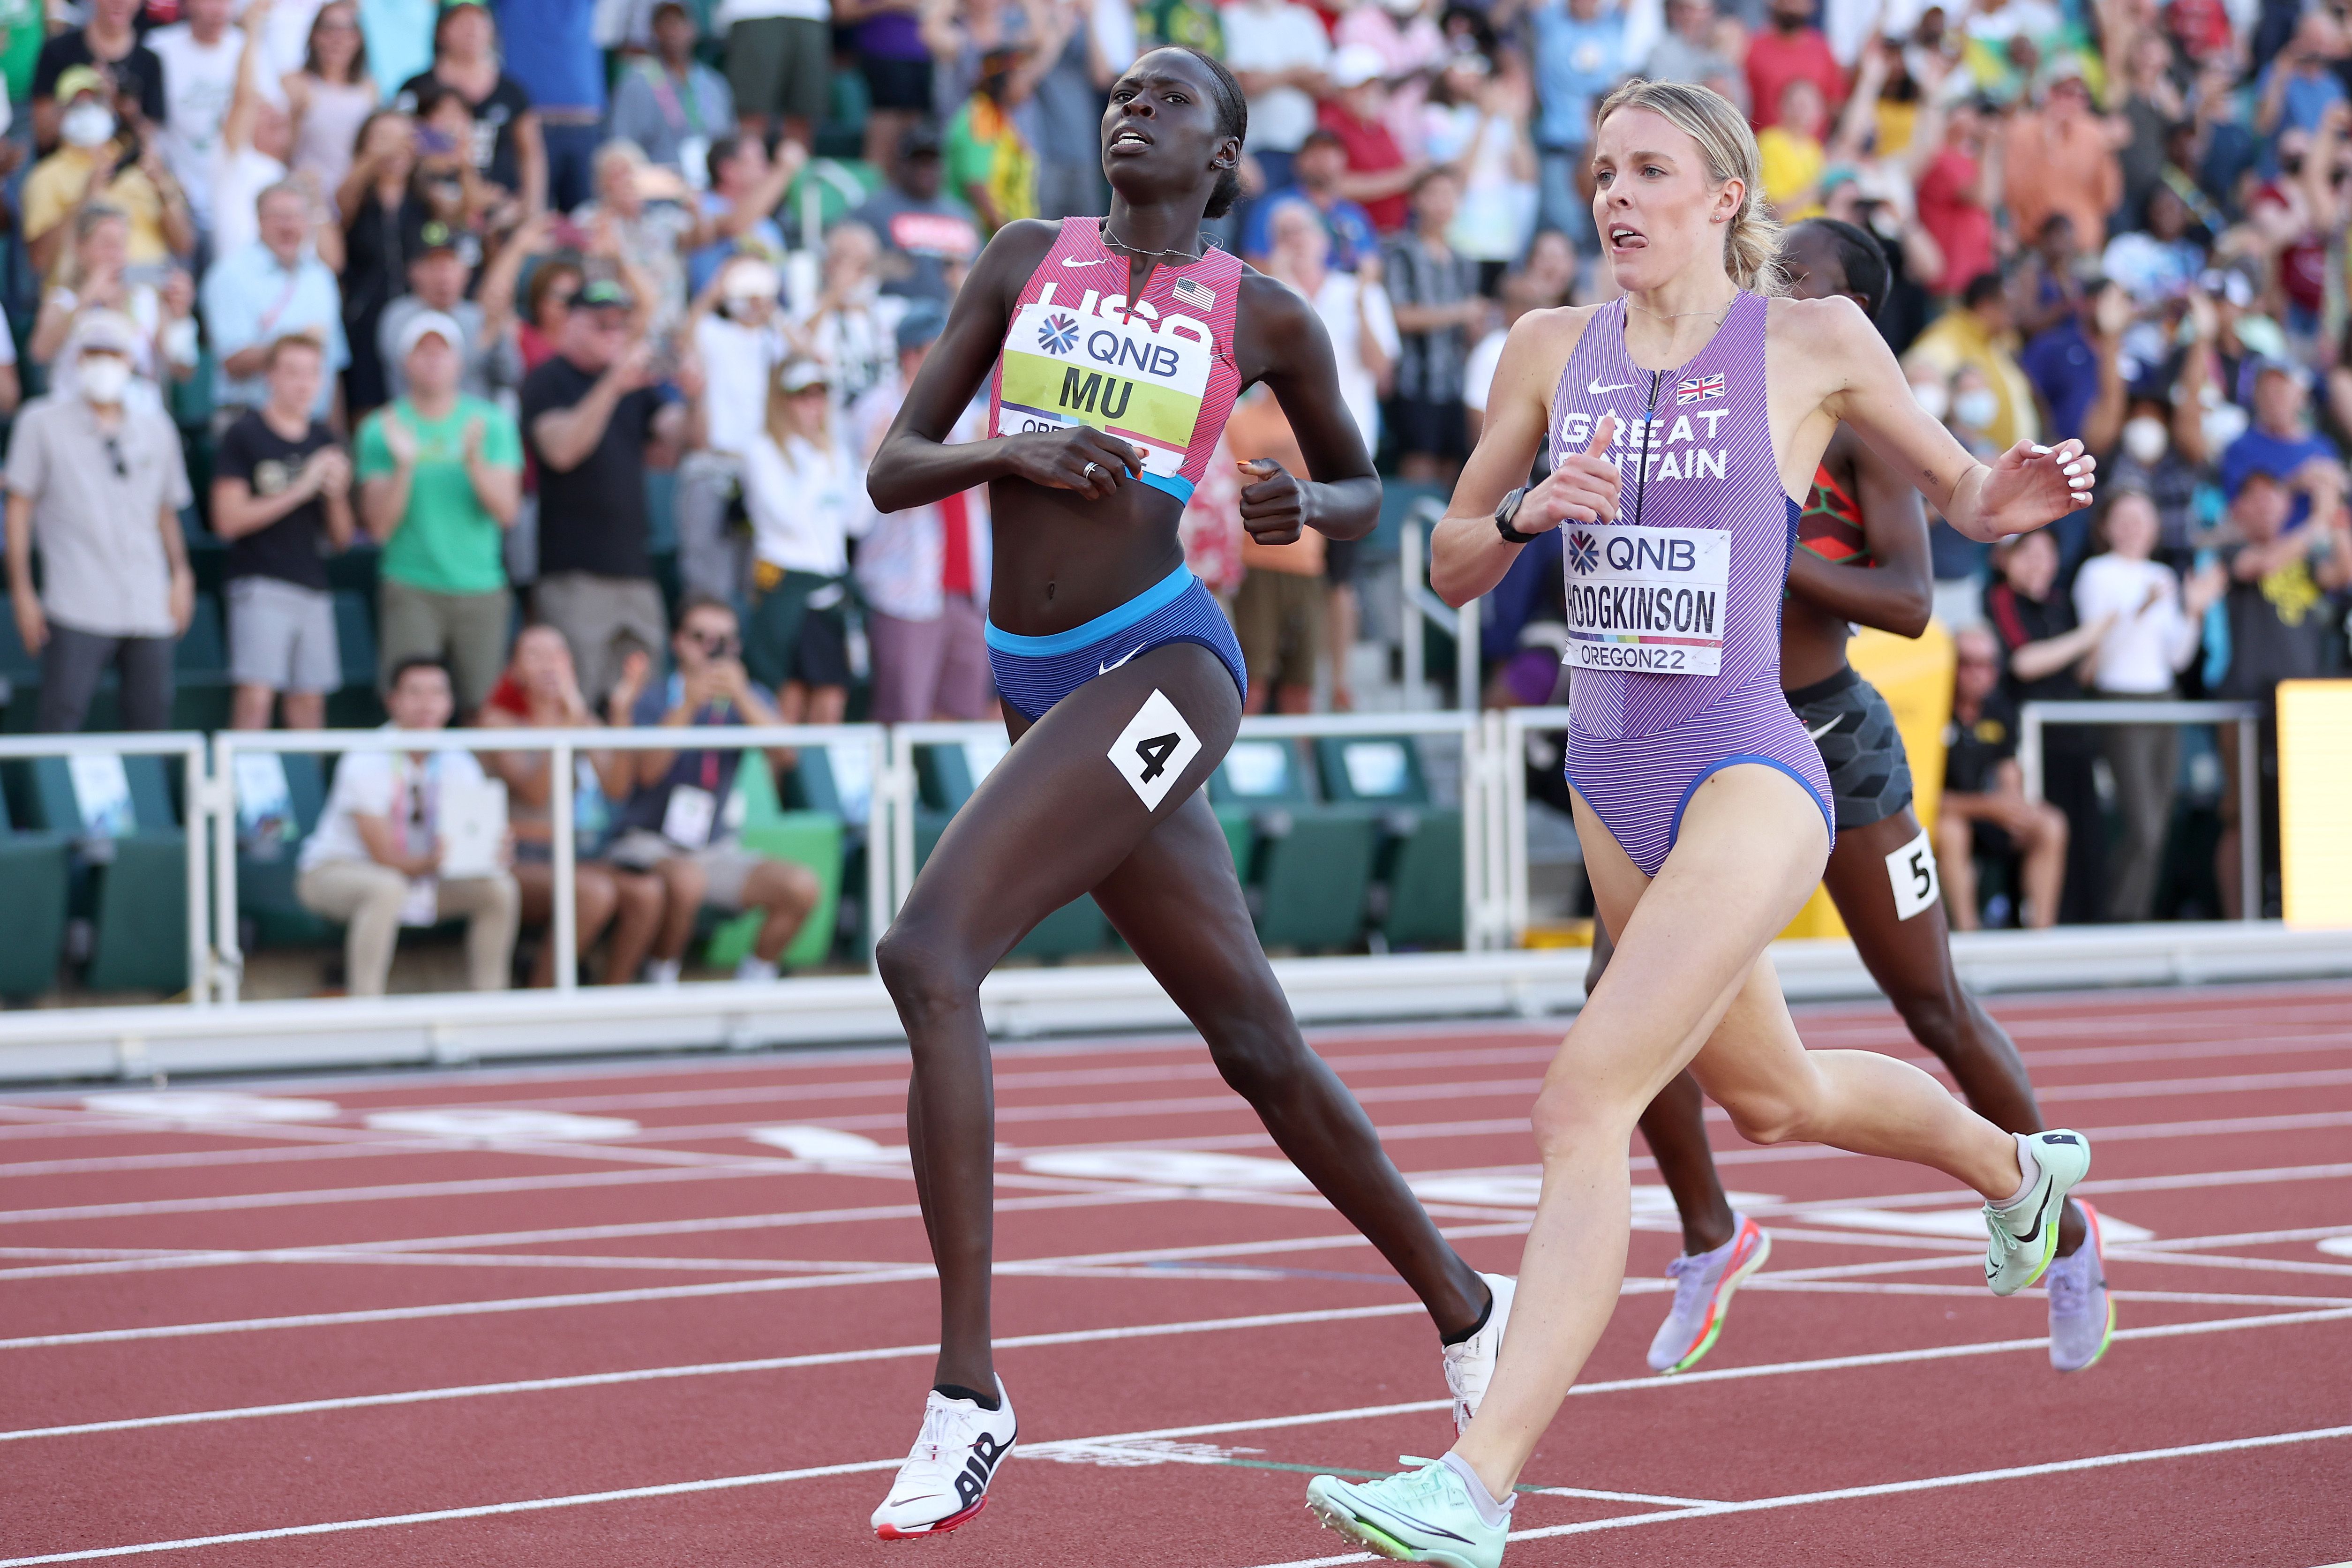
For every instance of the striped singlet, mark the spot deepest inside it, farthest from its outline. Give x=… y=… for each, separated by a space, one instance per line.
x=1160 y=376
x=1674 y=611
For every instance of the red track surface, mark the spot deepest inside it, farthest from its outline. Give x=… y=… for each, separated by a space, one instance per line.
x=777 y=1313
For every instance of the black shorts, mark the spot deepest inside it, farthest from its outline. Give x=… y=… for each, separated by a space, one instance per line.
x=1430 y=427
x=897 y=84
x=1870 y=773
x=799 y=630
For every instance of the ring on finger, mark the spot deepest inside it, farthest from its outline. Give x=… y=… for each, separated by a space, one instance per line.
x=1093 y=468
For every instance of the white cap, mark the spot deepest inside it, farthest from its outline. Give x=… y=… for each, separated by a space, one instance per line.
x=430 y=324
x=748 y=278
x=1356 y=65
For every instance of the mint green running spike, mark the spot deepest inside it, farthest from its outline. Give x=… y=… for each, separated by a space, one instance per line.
x=1421 y=1516
x=2022 y=1238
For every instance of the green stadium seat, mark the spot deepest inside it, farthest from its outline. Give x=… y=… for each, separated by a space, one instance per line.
x=837 y=780
x=269 y=838
x=1311 y=861
x=1416 y=898
x=946 y=775
x=200 y=662
x=133 y=854
x=36 y=868
x=815 y=839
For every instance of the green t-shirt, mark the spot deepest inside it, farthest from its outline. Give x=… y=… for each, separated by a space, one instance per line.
x=28 y=31
x=446 y=542
x=984 y=147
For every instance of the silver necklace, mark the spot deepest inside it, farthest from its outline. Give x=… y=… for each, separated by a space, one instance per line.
x=1681 y=315
x=1137 y=251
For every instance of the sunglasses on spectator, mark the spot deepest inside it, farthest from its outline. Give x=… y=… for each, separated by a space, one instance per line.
x=719 y=645
x=114 y=455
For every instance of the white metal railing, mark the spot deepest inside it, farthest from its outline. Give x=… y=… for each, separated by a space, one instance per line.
x=2034 y=717
x=1512 y=726
x=1422 y=609
x=563 y=746
x=197 y=804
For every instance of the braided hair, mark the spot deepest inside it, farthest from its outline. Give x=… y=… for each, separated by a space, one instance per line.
x=1233 y=119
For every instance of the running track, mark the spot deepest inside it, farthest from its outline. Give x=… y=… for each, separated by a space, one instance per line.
x=637 y=1335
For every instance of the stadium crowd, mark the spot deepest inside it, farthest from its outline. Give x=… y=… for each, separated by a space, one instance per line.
x=572 y=322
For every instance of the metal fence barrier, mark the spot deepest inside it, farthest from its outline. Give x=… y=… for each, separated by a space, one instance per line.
x=2034 y=717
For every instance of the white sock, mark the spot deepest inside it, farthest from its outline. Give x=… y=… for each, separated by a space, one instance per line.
x=754 y=968
x=661 y=971
x=2028 y=1167
x=1496 y=1515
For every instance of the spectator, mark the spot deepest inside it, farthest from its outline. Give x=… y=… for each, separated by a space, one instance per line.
x=2075 y=366
x=1959 y=185
x=2070 y=154
x=555 y=284
x=779 y=65
x=249 y=155
x=738 y=344
x=1317 y=174
x=1277 y=612
x=737 y=213
x=94 y=276
x=108 y=47
x=1066 y=110
x=801 y=492
x=2159 y=260
x=331 y=97
x=282 y=497
x=374 y=199
x=672 y=824
x=1434 y=292
x=373 y=862
x=595 y=417
x=2046 y=650
x=399 y=35
x=1476 y=124
x=1411 y=47
x=2151 y=637
x=1354 y=307
x=1580 y=53
x=898 y=72
x=550 y=46
x=1541 y=284
x=639 y=223
x=1279 y=52
x=928 y=238
x=2277 y=613
x=2300 y=85
x=95 y=478
x=199 y=56
x=445 y=183
x=139 y=184
x=670 y=104
x=850 y=328
x=990 y=161
x=539 y=691
x=1790 y=48
x=2144 y=96
x=2162 y=451
x=923 y=573
x=504 y=144
x=1979 y=336
x=1691 y=50
x=1792 y=153
x=438 y=280
x=275 y=286
x=1984 y=807
x=1379 y=173
x=440 y=481
x=2281 y=443
x=1189 y=24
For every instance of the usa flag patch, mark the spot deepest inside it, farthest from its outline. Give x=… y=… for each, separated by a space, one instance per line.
x=1699 y=388
x=1199 y=296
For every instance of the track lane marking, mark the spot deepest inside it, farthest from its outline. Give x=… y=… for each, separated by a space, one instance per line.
x=1884 y=1488
x=1331 y=1417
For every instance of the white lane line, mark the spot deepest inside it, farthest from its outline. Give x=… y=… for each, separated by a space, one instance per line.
x=1328 y=1417
x=1203 y=1325
x=1885 y=1489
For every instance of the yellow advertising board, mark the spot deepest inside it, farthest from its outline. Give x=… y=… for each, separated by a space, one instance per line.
x=2314 y=723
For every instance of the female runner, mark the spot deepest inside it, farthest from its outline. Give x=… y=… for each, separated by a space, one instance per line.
x=1119 y=347
x=1704 y=810
x=1863 y=559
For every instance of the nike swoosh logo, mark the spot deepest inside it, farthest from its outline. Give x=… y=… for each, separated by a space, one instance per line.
x=1074 y=261
x=1594 y=389
x=1103 y=669
x=1815 y=735
x=2041 y=1201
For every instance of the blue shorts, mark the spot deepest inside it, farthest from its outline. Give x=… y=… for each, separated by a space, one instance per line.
x=1033 y=674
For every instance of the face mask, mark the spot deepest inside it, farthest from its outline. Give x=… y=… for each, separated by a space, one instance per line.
x=1976 y=408
x=105 y=378
x=86 y=125
x=2145 y=440
x=1934 y=397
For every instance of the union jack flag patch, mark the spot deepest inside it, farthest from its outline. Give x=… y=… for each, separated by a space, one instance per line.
x=1699 y=388
x=1199 y=296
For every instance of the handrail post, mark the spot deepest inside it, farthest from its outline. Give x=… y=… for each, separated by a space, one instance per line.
x=881 y=839
x=228 y=945
x=2028 y=748
x=565 y=925
x=1467 y=656
x=196 y=834
x=2250 y=818
x=1409 y=572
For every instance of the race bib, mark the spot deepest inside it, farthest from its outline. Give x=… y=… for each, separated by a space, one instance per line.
x=1911 y=872
x=1646 y=600
x=685 y=821
x=1063 y=367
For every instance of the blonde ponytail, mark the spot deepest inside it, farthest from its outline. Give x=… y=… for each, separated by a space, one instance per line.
x=1751 y=241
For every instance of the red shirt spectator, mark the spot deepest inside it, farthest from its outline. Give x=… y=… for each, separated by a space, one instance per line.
x=1371 y=151
x=1948 y=210
x=1790 y=49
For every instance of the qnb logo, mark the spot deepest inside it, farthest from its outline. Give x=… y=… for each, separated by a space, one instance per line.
x=1583 y=553
x=1058 y=333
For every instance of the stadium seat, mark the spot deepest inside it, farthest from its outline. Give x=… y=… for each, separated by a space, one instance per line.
x=356 y=705
x=36 y=868
x=945 y=776
x=200 y=669
x=268 y=839
x=1416 y=900
x=837 y=780
x=132 y=873
x=1310 y=861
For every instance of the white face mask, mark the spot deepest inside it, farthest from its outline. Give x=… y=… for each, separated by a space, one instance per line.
x=1934 y=398
x=88 y=124
x=1976 y=408
x=103 y=378
x=2145 y=440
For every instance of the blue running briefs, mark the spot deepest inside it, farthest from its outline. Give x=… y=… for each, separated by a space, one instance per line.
x=1033 y=674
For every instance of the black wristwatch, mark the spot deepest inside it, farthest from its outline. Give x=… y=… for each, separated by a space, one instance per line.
x=1508 y=509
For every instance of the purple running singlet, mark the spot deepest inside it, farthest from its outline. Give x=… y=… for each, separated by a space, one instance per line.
x=1674 y=611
